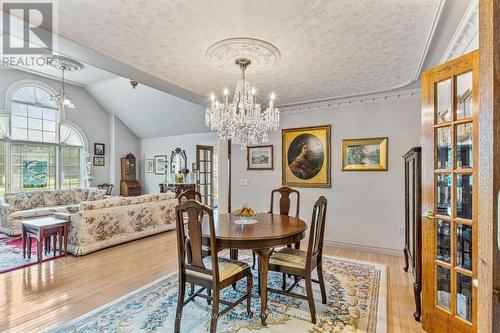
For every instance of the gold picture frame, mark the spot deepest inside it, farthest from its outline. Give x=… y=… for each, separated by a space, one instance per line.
x=370 y=154
x=306 y=156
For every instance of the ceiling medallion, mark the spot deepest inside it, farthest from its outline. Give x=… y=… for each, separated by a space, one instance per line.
x=242 y=120
x=225 y=53
x=64 y=64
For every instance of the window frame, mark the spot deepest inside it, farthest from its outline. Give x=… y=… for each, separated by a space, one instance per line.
x=60 y=121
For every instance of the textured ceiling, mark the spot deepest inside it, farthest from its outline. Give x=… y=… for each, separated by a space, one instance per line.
x=329 y=48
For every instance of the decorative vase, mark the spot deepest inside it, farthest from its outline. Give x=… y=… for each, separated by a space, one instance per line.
x=179 y=178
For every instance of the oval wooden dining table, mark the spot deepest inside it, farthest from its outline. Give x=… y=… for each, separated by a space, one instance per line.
x=271 y=230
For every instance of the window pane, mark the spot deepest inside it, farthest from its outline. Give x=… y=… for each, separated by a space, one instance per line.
x=2 y=169
x=70 y=159
x=443 y=277
x=19 y=109
x=19 y=134
x=443 y=195
x=464 y=297
x=35 y=135
x=443 y=234
x=464 y=246
x=464 y=196
x=464 y=96
x=443 y=105
x=464 y=146
x=49 y=114
x=49 y=125
x=19 y=122
x=35 y=112
x=49 y=137
x=35 y=124
x=443 y=138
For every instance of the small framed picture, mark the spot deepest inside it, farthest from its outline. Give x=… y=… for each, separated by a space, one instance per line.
x=365 y=154
x=260 y=158
x=99 y=149
x=150 y=166
x=98 y=160
x=160 y=164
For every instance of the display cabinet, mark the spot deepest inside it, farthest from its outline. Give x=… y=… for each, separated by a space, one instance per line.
x=129 y=186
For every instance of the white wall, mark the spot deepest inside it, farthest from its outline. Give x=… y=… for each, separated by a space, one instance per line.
x=88 y=115
x=164 y=146
x=364 y=208
x=125 y=142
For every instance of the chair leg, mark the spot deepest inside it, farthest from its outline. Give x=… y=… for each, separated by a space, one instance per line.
x=180 y=304
x=283 y=286
x=249 y=294
x=322 y=283
x=191 y=291
x=310 y=299
x=209 y=294
x=215 y=312
x=253 y=262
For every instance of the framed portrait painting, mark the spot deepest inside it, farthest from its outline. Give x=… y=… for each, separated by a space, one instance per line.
x=160 y=164
x=365 y=154
x=260 y=157
x=150 y=166
x=306 y=156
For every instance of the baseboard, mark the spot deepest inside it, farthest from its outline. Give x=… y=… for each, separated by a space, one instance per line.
x=364 y=248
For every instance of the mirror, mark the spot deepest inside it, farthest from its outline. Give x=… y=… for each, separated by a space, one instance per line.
x=178 y=160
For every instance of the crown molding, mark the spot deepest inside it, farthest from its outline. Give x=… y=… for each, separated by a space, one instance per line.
x=347 y=101
x=466 y=31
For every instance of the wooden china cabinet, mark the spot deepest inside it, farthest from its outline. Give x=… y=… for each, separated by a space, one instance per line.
x=413 y=223
x=129 y=186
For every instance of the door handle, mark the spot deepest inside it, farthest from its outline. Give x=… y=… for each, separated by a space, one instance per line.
x=429 y=215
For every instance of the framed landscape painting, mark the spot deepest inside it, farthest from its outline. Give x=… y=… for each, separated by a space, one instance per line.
x=306 y=156
x=260 y=158
x=365 y=154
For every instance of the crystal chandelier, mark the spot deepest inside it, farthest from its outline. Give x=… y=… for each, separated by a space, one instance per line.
x=242 y=121
x=64 y=98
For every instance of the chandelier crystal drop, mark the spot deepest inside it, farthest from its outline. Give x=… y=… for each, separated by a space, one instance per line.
x=242 y=121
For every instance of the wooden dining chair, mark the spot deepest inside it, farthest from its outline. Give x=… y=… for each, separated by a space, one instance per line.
x=211 y=273
x=189 y=194
x=284 y=208
x=300 y=264
x=107 y=187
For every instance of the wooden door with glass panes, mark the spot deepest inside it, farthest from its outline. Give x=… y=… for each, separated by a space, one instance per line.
x=205 y=173
x=449 y=195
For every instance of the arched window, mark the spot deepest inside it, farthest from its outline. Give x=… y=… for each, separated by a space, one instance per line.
x=37 y=149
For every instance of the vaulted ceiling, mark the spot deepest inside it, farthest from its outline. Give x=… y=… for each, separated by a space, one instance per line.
x=329 y=48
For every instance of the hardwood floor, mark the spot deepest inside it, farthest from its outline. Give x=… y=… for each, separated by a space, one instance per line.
x=38 y=297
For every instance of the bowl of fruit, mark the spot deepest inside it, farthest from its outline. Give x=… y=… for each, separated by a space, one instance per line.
x=245 y=214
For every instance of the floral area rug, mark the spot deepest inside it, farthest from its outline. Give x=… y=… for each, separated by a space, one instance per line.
x=11 y=254
x=357 y=294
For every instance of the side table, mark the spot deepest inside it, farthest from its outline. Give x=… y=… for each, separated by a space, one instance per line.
x=42 y=230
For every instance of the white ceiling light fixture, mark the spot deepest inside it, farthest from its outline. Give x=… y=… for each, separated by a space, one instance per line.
x=65 y=64
x=243 y=121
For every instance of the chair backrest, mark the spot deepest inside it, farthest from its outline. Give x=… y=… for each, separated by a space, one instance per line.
x=316 y=233
x=285 y=193
x=189 y=246
x=189 y=195
x=107 y=187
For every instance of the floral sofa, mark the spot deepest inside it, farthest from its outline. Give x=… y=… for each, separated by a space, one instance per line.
x=17 y=207
x=103 y=223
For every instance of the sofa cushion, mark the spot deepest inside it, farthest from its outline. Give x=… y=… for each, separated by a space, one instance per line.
x=161 y=196
x=18 y=201
x=95 y=194
x=58 y=198
x=35 y=198
x=99 y=204
x=80 y=194
x=37 y=212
